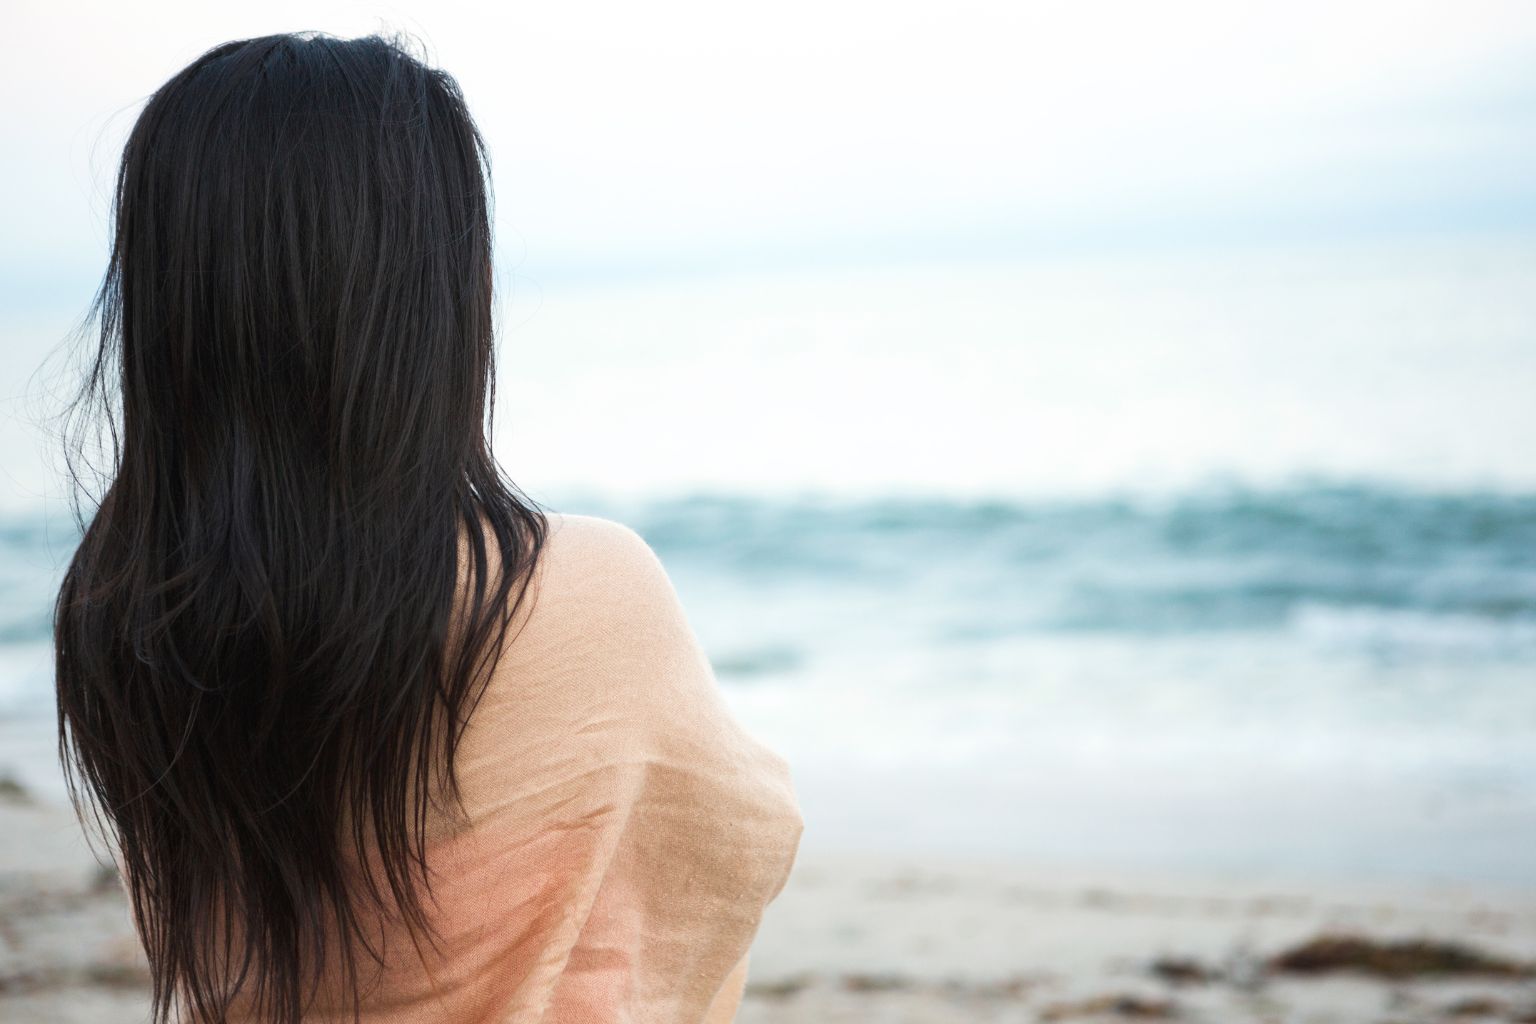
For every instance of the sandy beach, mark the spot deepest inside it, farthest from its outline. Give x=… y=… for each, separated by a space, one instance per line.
x=931 y=941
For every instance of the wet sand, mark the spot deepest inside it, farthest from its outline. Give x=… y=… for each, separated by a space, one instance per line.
x=887 y=939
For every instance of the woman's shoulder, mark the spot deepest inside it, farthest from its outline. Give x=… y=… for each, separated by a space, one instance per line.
x=586 y=543
x=605 y=676
x=589 y=566
x=598 y=601
x=600 y=666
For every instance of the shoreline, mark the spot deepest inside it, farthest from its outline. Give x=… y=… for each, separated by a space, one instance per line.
x=855 y=938
x=932 y=940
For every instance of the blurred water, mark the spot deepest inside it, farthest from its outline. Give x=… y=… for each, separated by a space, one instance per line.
x=1325 y=678
x=1332 y=679
x=1024 y=616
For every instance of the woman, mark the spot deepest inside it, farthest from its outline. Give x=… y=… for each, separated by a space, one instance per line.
x=369 y=732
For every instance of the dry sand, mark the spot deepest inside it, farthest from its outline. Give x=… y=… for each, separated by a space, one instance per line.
x=886 y=940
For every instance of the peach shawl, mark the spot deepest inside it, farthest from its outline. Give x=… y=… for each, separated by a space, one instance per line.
x=622 y=834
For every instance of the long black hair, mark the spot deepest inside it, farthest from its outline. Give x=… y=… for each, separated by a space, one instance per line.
x=304 y=558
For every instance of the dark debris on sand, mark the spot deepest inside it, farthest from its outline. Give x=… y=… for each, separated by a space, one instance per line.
x=1014 y=987
x=1411 y=958
x=1132 y=1007
x=1183 y=971
x=13 y=792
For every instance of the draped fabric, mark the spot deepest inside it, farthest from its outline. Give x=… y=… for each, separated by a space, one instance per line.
x=621 y=834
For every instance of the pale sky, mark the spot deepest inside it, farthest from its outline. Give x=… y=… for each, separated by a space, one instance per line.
x=651 y=144
x=639 y=137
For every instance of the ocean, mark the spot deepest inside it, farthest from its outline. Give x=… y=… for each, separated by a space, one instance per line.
x=1222 y=561
x=1329 y=678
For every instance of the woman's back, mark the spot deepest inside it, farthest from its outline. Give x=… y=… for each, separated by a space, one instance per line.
x=369 y=729
x=619 y=835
